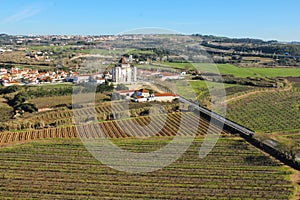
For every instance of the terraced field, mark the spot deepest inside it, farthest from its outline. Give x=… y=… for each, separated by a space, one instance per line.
x=161 y=125
x=64 y=169
x=64 y=116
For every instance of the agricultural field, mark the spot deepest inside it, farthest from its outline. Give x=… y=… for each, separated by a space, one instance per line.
x=54 y=117
x=226 y=69
x=50 y=102
x=162 y=125
x=295 y=81
x=267 y=111
x=198 y=90
x=230 y=89
x=64 y=169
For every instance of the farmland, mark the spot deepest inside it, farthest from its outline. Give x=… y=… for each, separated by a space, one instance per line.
x=267 y=111
x=50 y=102
x=125 y=128
x=236 y=71
x=63 y=169
x=198 y=89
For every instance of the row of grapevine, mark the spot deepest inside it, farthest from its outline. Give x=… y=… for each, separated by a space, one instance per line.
x=268 y=111
x=64 y=169
x=160 y=125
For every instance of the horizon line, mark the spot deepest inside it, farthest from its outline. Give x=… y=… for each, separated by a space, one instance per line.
x=192 y=34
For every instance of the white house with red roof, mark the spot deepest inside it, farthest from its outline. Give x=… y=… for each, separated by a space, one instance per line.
x=144 y=95
x=3 y=71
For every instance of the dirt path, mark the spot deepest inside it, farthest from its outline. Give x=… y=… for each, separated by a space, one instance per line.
x=44 y=109
x=245 y=95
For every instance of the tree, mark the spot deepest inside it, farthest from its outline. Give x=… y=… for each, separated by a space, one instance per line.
x=10 y=89
x=18 y=103
x=115 y=96
x=18 y=99
x=121 y=87
x=104 y=88
x=28 y=107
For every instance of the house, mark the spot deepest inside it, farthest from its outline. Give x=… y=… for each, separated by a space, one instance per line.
x=81 y=78
x=107 y=75
x=3 y=71
x=164 y=76
x=127 y=93
x=100 y=80
x=10 y=83
x=164 y=97
x=140 y=99
x=141 y=93
x=16 y=73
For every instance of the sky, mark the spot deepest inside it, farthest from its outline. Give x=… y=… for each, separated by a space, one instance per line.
x=262 y=19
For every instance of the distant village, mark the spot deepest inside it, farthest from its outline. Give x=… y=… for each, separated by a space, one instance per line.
x=122 y=73
x=26 y=76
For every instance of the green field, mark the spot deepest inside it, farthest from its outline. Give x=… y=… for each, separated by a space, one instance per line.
x=64 y=169
x=236 y=71
x=268 y=111
x=198 y=89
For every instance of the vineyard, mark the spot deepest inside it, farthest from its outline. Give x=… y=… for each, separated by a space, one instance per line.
x=133 y=127
x=53 y=164
x=103 y=111
x=267 y=111
x=63 y=169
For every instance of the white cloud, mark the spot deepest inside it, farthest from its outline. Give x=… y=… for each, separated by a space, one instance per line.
x=26 y=13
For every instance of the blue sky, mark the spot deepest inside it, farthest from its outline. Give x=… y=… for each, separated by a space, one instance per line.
x=265 y=19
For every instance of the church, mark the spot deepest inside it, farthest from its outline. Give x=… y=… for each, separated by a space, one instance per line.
x=124 y=72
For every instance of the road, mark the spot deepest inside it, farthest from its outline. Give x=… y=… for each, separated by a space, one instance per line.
x=219 y=118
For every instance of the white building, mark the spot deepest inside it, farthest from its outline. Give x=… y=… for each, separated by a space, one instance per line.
x=124 y=72
x=164 y=97
x=3 y=71
x=81 y=78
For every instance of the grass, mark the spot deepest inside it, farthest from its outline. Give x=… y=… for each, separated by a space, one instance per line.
x=47 y=102
x=51 y=48
x=198 y=90
x=64 y=169
x=204 y=84
x=5 y=111
x=236 y=71
x=137 y=51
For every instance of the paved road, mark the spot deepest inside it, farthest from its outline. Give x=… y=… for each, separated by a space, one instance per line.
x=220 y=118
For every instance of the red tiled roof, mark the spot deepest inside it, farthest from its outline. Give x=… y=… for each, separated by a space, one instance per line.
x=123 y=61
x=165 y=95
x=124 y=91
x=143 y=91
x=12 y=82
